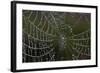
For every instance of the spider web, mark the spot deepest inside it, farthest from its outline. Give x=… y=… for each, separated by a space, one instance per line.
x=40 y=31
